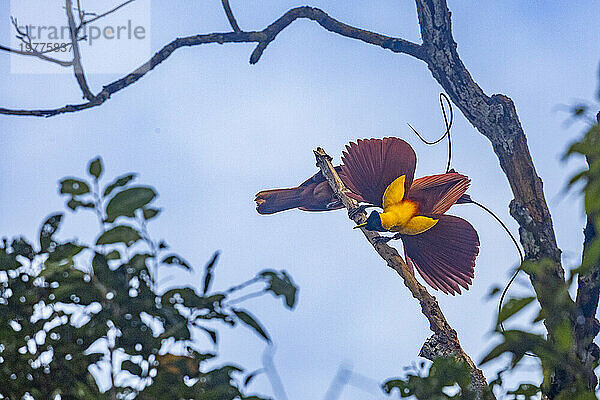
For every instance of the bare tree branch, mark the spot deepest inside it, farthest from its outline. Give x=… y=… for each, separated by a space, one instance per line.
x=37 y=54
x=77 y=67
x=230 y=17
x=394 y=44
x=263 y=37
x=25 y=39
x=444 y=341
x=103 y=14
x=81 y=13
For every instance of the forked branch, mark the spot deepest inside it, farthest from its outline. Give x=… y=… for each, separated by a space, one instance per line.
x=444 y=342
x=263 y=38
x=77 y=66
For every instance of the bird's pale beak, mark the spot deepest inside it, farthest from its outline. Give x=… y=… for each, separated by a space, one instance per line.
x=360 y=226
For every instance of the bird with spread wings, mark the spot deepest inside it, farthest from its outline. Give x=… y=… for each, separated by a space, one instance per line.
x=380 y=173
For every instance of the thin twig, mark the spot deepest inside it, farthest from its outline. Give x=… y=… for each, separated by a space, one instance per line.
x=25 y=39
x=81 y=13
x=340 y=380
x=77 y=66
x=113 y=386
x=230 y=16
x=246 y=297
x=37 y=54
x=272 y=374
x=243 y=285
x=107 y=13
x=153 y=250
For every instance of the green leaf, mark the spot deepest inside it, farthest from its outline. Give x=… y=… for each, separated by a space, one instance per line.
x=518 y=343
x=150 y=213
x=49 y=228
x=280 y=284
x=74 y=204
x=513 y=306
x=249 y=320
x=74 y=187
x=208 y=272
x=131 y=367
x=113 y=255
x=21 y=247
x=577 y=177
x=174 y=259
x=126 y=202
x=119 y=182
x=527 y=390
x=210 y=332
x=119 y=234
x=138 y=262
x=591 y=256
x=494 y=292
x=253 y=375
x=8 y=261
x=399 y=384
x=64 y=251
x=101 y=268
x=95 y=168
x=540 y=316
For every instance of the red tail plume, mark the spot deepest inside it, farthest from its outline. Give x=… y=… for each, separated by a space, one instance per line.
x=314 y=194
x=276 y=200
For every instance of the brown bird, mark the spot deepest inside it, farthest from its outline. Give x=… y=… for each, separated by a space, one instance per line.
x=380 y=172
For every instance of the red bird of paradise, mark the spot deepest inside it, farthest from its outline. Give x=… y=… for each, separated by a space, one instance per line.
x=380 y=172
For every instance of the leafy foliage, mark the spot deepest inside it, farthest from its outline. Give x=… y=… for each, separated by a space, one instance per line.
x=75 y=315
x=556 y=349
x=280 y=284
x=589 y=147
x=446 y=379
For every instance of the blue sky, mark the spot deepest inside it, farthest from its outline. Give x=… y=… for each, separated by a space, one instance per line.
x=208 y=131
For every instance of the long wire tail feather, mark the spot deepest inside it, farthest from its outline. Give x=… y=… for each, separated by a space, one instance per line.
x=521 y=257
x=443 y=98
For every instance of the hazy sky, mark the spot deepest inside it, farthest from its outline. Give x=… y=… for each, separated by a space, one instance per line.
x=208 y=131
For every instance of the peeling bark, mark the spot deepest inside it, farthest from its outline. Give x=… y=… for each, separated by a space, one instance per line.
x=496 y=118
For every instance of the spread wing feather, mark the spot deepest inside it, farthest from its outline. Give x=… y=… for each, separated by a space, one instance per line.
x=435 y=194
x=370 y=165
x=445 y=254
